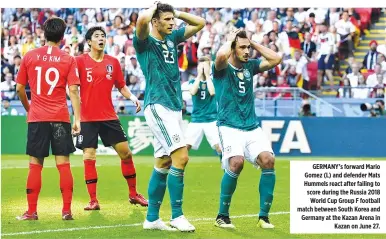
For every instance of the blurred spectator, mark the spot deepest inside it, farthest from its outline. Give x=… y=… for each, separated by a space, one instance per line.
x=337 y=41
x=379 y=89
x=258 y=34
x=14 y=69
x=70 y=22
x=308 y=46
x=373 y=79
x=370 y=59
x=361 y=91
x=305 y=110
x=218 y=24
x=326 y=57
x=6 y=108
x=227 y=14
x=111 y=13
x=282 y=83
x=382 y=60
x=121 y=38
x=78 y=15
x=12 y=49
x=236 y=20
x=109 y=48
x=345 y=91
x=84 y=25
x=355 y=76
x=62 y=13
x=73 y=39
x=28 y=45
x=117 y=53
x=268 y=24
x=133 y=68
x=290 y=16
x=301 y=15
x=100 y=20
x=333 y=16
x=382 y=48
x=346 y=30
x=8 y=87
x=251 y=25
x=190 y=51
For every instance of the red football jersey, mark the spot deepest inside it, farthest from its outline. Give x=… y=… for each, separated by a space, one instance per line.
x=96 y=83
x=48 y=70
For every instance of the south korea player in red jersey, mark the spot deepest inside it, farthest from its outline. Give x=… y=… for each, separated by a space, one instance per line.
x=48 y=71
x=98 y=74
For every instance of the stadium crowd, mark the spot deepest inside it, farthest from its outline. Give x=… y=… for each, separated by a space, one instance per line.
x=300 y=34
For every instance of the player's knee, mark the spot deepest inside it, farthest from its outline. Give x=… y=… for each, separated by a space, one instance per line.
x=126 y=155
x=266 y=160
x=236 y=164
x=183 y=160
x=89 y=154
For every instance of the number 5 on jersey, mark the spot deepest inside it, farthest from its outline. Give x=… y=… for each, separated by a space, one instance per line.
x=89 y=76
x=47 y=78
x=241 y=87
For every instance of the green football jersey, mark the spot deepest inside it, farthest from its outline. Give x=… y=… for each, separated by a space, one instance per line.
x=159 y=64
x=236 y=100
x=204 y=105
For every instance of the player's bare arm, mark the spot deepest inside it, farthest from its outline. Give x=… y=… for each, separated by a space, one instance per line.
x=200 y=74
x=271 y=58
x=196 y=23
x=209 y=81
x=75 y=102
x=125 y=91
x=144 y=18
x=20 y=90
x=225 y=51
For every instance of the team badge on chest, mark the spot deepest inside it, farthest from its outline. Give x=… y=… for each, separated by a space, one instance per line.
x=109 y=72
x=170 y=44
x=247 y=74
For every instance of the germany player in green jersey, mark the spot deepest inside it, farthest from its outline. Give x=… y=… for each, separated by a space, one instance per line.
x=156 y=51
x=241 y=138
x=204 y=114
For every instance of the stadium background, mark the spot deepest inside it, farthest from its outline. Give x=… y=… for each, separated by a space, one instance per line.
x=339 y=130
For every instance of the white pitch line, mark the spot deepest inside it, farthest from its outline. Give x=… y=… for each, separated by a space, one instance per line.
x=122 y=225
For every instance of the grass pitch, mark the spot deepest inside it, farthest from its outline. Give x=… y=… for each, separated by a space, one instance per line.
x=118 y=219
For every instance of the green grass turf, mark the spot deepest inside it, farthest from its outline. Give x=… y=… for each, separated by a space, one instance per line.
x=201 y=198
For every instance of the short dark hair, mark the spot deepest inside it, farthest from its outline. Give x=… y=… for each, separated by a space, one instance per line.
x=92 y=30
x=54 y=29
x=241 y=34
x=162 y=7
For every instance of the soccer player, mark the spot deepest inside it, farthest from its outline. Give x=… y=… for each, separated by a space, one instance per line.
x=241 y=138
x=98 y=74
x=157 y=55
x=48 y=70
x=204 y=113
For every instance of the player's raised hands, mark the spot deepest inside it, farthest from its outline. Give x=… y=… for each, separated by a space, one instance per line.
x=206 y=68
x=200 y=68
x=76 y=128
x=232 y=35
